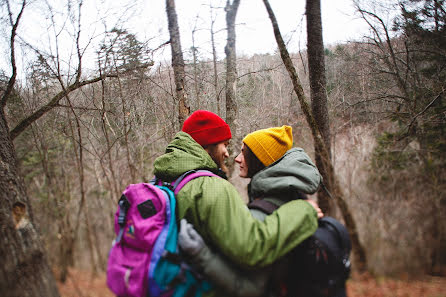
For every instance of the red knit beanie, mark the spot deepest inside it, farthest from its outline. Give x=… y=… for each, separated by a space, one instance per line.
x=206 y=128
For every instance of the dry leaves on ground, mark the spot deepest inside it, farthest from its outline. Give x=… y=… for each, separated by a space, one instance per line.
x=85 y=284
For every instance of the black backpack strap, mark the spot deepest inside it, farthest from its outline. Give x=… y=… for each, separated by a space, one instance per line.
x=346 y=245
x=263 y=205
x=124 y=206
x=341 y=231
x=178 y=180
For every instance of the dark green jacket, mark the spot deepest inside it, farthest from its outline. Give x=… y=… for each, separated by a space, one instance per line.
x=218 y=213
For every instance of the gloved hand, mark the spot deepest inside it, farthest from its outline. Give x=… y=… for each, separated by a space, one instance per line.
x=189 y=240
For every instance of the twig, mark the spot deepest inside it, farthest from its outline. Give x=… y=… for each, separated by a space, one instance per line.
x=258 y=71
x=25 y=123
x=423 y=111
x=11 y=81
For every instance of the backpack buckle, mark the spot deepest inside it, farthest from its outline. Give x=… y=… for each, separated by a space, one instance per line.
x=167 y=185
x=124 y=206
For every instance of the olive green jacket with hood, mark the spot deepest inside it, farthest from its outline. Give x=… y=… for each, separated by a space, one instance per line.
x=277 y=183
x=281 y=181
x=218 y=213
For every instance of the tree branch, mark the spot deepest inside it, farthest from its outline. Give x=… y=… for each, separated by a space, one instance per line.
x=393 y=62
x=25 y=123
x=11 y=81
x=423 y=111
x=258 y=71
x=78 y=35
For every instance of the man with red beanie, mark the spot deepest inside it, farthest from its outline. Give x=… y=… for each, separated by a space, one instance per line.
x=211 y=132
x=214 y=207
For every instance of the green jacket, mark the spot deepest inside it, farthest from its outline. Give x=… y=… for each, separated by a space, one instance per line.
x=277 y=183
x=218 y=213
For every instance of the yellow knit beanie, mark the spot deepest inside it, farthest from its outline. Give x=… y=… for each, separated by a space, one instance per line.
x=269 y=145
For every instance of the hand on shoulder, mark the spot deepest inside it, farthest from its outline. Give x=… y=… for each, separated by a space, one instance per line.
x=313 y=203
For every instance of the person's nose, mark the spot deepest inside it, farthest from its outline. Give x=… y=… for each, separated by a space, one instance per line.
x=238 y=159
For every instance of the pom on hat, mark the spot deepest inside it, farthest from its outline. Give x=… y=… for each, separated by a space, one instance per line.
x=206 y=128
x=269 y=145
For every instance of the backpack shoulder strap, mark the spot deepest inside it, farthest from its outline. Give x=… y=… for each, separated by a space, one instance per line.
x=124 y=206
x=180 y=182
x=263 y=205
x=341 y=231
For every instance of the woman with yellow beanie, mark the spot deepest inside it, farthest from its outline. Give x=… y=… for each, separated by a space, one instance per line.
x=279 y=173
x=291 y=178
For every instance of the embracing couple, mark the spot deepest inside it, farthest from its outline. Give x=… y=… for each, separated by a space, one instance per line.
x=240 y=250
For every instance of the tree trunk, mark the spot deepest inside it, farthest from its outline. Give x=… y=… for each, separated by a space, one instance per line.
x=126 y=128
x=113 y=182
x=231 y=75
x=318 y=95
x=177 y=62
x=24 y=270
x=214 y=62
x=358 y=249
x=195 y=64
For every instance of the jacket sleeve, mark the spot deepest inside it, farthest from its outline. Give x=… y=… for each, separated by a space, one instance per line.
x=218 y=213
x=228 y=277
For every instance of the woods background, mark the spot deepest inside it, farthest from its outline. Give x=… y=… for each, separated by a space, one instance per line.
x=81 y=136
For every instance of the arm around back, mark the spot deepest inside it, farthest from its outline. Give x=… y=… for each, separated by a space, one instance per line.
x=218 y=213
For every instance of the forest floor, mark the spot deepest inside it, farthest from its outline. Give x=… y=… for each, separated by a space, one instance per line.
x=84 y=284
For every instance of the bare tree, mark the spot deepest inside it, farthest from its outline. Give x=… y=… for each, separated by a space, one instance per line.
x=358 y=249
x=24 y=268
x=318 y=95
x=405 y=57
x=231 y=72
x=214 y=58
x=177 y=62
x=195 y=66
x=67 y=82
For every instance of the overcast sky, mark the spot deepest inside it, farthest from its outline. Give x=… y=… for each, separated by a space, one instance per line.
x=147 y=19
x=254 y=30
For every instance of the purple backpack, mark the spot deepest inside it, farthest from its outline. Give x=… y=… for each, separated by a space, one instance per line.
x=144 y=259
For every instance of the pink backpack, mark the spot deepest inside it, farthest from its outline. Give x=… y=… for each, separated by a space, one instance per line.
x=144 y=259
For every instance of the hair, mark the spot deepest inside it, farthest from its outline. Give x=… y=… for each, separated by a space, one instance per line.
x=212 y=150
x=254 y=164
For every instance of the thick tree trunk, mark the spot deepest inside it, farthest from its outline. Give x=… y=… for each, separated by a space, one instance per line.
x=358 y=249
x=24 y=270
x=231 y=75
x=318 y=95
x=177 y=62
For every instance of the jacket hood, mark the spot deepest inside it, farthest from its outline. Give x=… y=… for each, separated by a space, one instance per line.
x=182 y=154
x=293 y=172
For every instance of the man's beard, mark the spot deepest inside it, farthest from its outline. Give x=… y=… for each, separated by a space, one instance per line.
x=218 y=159
x=224 y=168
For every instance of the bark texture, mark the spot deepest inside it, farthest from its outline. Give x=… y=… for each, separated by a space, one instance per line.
x=231 y=75
x=177 y=62
x=24 y=270
x=318 y=95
